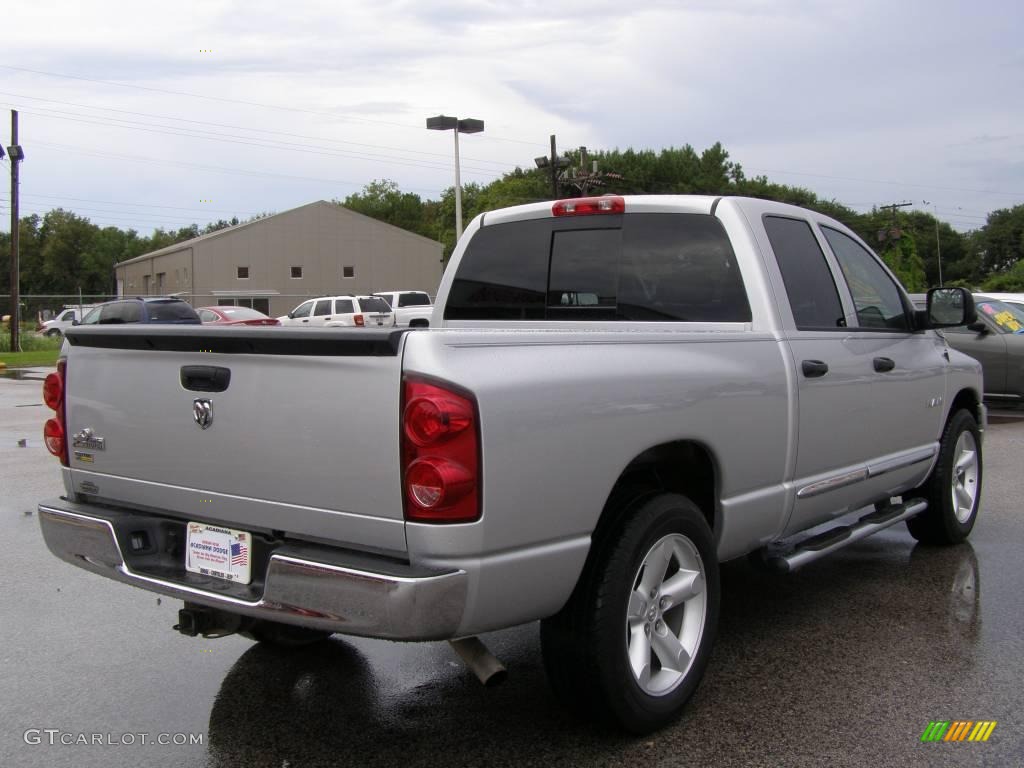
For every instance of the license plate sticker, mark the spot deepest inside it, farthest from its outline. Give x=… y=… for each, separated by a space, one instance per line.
x=221 y=552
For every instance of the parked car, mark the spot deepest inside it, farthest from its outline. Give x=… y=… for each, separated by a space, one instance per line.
x=411 y=308
x=1016 y=299
x=621 y=393
x=228 y=315
x=342 y=311
x=165 y=310
x=64 y=320
x=996 y=340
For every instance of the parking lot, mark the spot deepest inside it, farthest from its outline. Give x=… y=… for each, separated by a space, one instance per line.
x=843 y=663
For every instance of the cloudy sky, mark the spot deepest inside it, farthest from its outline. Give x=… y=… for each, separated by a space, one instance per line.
x=143 y=114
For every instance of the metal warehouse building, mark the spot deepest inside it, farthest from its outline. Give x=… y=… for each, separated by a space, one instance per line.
x=275 y=263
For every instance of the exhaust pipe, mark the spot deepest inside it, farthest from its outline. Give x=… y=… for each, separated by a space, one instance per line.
x=480 y=661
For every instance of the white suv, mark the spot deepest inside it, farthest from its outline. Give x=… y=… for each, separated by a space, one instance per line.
x=412 y=308
x=341 y=312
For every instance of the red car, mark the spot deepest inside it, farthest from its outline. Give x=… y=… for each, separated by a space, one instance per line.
x=234 y=316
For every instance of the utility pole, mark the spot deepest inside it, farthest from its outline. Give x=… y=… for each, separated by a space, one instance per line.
x=554 y=169
x=15 y=153
x=894 y=233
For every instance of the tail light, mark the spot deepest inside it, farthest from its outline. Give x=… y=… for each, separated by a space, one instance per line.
x=55 y=429
x=358 y=319
x=588 y=206
x=440 y=453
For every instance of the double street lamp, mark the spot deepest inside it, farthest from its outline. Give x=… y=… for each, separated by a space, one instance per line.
x=445 y=123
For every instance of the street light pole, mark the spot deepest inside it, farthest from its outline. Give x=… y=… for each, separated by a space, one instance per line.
x=16 y=155
x=938 y=244
x=466 y=125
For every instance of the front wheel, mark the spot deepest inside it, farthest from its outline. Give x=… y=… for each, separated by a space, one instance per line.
x=953 y=490
x=633 y=641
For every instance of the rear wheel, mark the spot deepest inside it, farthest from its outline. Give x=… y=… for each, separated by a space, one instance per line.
x=953 y=490
x=633 y=641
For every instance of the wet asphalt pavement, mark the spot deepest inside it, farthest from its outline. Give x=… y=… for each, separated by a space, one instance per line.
x=842 y=663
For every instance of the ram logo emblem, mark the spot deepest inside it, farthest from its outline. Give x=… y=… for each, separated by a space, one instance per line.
x=202 y=412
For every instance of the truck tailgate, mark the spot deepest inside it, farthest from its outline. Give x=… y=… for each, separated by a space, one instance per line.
x=303 y=438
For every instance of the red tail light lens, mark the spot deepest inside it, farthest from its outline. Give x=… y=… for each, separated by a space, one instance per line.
x=53 y=436
x=588 y=206
x=358 y=319
x=55 y=429
x=53 y=391
x=440 y=453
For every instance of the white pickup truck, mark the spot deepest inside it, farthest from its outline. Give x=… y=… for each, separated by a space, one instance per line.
x=614 y=396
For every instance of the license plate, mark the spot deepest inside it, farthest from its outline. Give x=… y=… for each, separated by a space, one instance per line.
x=221 y=552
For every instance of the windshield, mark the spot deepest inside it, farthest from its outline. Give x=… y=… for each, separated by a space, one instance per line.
x=1009 y=318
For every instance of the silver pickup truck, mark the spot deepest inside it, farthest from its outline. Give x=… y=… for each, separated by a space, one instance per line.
x=615 y=395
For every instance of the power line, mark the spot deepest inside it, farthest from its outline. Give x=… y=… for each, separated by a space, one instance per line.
x=138 y=205
x=891 y=183
x=210 y=168
x=277 y=145
x=225 y=100
x=243 y=128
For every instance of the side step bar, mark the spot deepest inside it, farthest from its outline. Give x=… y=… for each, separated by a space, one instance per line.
x=815 y=547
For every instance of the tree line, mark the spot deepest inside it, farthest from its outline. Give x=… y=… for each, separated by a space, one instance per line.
x=62 y=252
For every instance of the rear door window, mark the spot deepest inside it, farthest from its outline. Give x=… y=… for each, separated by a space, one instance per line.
x=650 y=267
x=812 y=292
x=323 y=307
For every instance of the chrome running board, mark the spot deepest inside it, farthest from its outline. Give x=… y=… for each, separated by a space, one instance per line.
x=809 y=550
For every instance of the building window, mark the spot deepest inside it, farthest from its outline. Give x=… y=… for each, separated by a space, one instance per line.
x=348 y=271
x=296 y=273
x=145 y=285
x=243 y=273
x=160 y=280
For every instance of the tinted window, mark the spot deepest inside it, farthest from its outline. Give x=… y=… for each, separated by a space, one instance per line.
x=323 y=307
x=584 y=278
x=875 y=294
x=653 y=267
x=373 y=304
x=413 y=300
x=809 y=285
x=343 y=306
x=171 y=312
x=302 y=310
x=121 y=312
x=504 y=273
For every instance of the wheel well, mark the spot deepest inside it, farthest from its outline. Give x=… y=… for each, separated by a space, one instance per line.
x=419 y=322
x=967 y=400
x=683 y=467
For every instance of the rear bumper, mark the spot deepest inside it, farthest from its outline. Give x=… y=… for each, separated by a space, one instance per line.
x=309 y=586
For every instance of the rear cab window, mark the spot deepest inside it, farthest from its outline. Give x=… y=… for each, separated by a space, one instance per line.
x=413 y=300
x=635 y=267
x=171 y=312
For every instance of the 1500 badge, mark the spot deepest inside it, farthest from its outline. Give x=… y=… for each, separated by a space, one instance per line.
x=86 y=439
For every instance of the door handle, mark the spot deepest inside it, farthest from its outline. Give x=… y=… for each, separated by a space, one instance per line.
x=814 y=368
x=305 y=321
x=884 y=364
x=205 y=378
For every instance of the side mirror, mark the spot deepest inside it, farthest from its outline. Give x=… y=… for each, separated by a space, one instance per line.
x=950 y=308
x=978 y=327
x=291 y=315
x=76 y=322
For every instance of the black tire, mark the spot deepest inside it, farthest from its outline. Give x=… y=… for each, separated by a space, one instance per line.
x=53 y=333
x=283 y=635
x=586 y=645
x=940 y=523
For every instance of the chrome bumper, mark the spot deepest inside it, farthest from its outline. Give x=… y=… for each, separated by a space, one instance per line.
x=336 y=591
